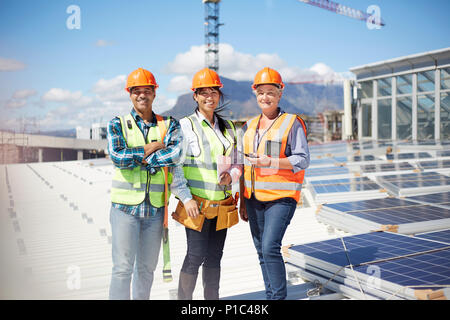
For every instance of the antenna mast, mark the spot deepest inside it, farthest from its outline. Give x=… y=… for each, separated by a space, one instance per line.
x=212 y=34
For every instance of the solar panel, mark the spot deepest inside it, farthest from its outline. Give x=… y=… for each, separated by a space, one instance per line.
x=321 y=161
x=367 y=157
x=341 y=181
x=432 y=198
x=426 y=271
x=404 y=215
x=370 y=204
x=438 y=164
x=444 y=153
x=326 y=171
x=344 y=185
x=366 y=247
x=411 y=155
x=442 y=236
x=400 y=262
x=397 y=215
x=383 y=167
x=412 y=176
x=338 y=190
x=415 y=183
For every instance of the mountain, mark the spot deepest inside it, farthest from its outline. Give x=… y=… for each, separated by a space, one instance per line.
x=308 y=99
x=63 y=133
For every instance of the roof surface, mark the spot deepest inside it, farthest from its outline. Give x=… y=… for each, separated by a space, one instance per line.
x=55 y=231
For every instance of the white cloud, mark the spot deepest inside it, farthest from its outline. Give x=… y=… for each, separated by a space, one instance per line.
x=111 y=89
x=243 y=66
x=19 y=98
x=163 y=103
x=15 y=103
x=103 y=43
x=61 y=95
x=11 y=65
x=24 y=94
x=179 y=84
x=75 y=99
x=233 y=64
x=63 y=108
x=188 y=62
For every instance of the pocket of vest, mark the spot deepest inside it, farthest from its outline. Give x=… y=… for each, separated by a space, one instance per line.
x=273 y=148
x=182 y=217
x=227 y=217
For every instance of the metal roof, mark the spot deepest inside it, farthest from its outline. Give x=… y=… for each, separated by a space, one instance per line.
x=56 y=237
x=55 y=231
x=434 y=58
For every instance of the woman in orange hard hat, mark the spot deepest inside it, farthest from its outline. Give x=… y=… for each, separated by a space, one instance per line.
x=210 y=139
x=276 y=156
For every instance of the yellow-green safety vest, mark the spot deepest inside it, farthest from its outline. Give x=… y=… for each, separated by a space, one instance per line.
x=201 y=170
x=130 y=185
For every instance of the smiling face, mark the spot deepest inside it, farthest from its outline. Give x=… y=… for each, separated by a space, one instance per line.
x=207 y=99
x=142 y=98
x=268 y=96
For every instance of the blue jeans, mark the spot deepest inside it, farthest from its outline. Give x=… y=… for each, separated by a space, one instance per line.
x=204 y=248
x=135 y=249
x=268 y=223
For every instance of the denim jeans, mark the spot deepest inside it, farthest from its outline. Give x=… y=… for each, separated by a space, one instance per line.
x=135 y=249
x=204 y=248
x=268 y=223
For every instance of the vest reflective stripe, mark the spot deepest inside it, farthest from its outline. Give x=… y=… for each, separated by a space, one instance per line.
x=124 y=185
x=130 y=186
x=209 y=166
x=271 y=183
x=274 y=185
x=206 y=186
x=201 y=171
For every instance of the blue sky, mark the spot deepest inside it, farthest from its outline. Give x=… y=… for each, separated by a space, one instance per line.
x=53 y=77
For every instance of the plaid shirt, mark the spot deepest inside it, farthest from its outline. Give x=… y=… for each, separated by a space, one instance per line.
x=124 y=157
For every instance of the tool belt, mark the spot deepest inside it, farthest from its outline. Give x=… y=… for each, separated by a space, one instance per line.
x=225 y=211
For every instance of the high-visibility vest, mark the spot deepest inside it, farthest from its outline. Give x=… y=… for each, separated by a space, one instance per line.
x=201 y=170
x=271 y=183
x=129 y=186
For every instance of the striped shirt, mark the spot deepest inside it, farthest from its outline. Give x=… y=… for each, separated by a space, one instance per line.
x=124 y=157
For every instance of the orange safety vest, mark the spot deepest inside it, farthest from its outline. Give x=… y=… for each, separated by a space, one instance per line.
x=271 y=183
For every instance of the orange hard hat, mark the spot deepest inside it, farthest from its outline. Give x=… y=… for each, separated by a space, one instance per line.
x=206 y=78
x=267 y=76
x=140 y=77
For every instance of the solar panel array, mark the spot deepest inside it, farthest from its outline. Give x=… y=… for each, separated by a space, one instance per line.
x=401 y=246
x=377 y=265
x=399 y=169
x=399 y=215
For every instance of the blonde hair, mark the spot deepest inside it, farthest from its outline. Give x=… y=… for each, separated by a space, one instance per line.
x=280 y=90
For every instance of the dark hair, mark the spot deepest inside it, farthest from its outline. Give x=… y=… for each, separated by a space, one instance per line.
x=219 y=110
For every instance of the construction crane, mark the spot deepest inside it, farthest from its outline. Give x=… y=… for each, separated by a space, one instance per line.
x=343 y=10
x=212 y=25
x=346 y=11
